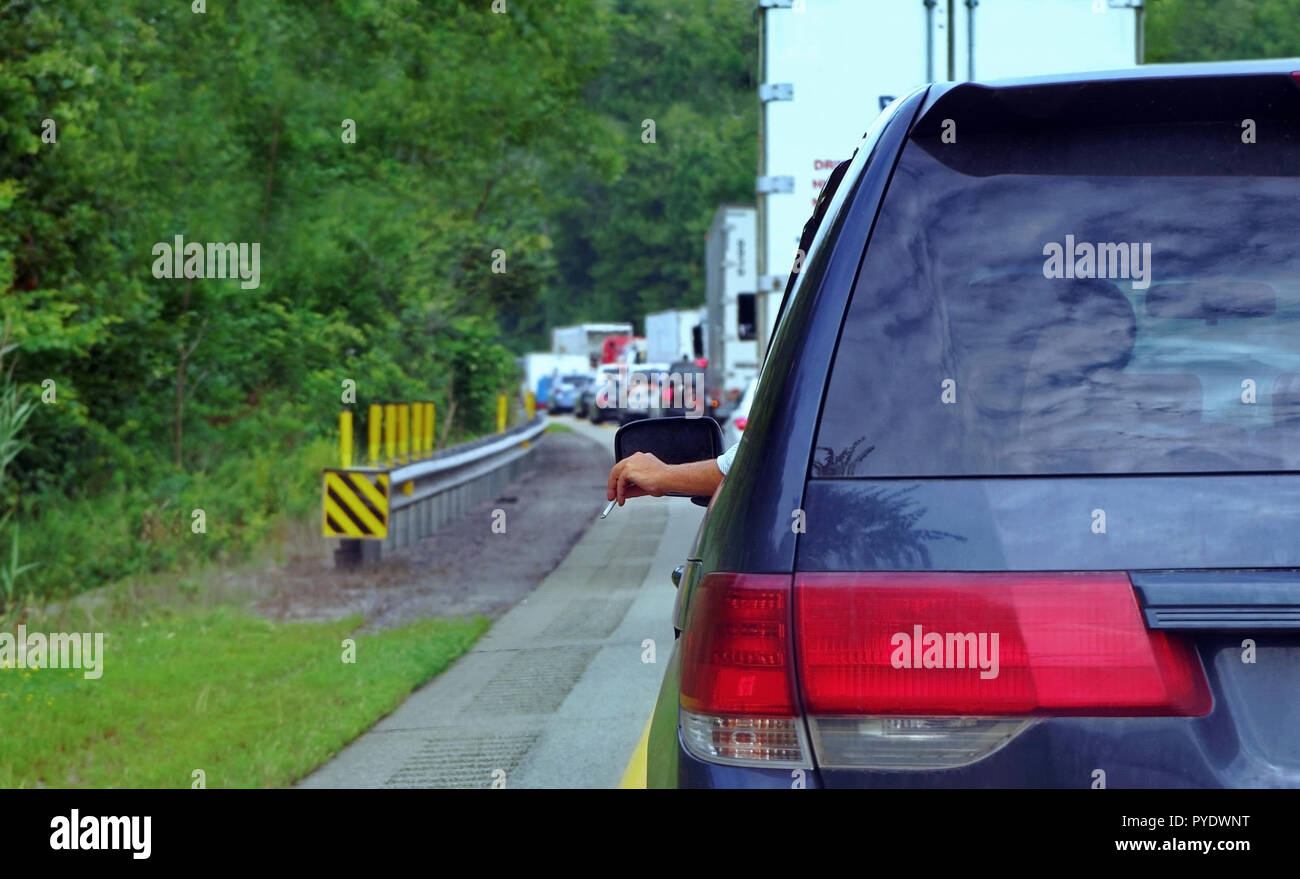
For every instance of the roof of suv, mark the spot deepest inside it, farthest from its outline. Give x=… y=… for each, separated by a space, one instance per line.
x=1147 y=72
x=1131 y=96
x=1144 y=71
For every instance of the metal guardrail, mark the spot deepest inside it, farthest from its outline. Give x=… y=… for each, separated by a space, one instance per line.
x=390 y=507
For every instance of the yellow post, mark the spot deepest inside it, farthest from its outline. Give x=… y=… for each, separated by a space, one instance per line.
x=345 y=439
x=390 y=432
x=422 y=430
x=501 y=413
x=375 y=425
x=530 y=409
x=429 y=411
x=417 y=431
x=404 y=431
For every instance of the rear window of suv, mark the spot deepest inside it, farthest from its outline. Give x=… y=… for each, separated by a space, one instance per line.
x=1076 y=300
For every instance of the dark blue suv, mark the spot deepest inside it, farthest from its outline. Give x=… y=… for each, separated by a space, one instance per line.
x=1018 y=503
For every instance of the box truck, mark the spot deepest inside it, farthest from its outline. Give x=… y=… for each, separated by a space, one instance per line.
x=827 y=67
x=586 y=339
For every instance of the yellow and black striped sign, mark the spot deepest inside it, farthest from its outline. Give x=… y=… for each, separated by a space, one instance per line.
x=356 y=504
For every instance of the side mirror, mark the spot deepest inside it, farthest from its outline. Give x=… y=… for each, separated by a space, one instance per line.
x=679 y=440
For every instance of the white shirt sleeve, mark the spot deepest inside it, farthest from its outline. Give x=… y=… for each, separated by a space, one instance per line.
x=725 y=459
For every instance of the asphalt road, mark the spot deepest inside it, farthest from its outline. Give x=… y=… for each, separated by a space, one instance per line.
x=558 y=692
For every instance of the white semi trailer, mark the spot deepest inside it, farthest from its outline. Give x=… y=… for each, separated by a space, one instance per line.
x=731 y=282
x=674 y=335
x=827 y=67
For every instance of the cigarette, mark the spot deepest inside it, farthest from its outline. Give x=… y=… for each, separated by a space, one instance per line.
x=609 y=506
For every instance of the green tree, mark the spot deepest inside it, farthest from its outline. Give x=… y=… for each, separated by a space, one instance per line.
x=635 y=244
x=377 y=254
x=1221 y=30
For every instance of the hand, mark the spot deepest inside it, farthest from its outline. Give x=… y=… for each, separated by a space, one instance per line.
x=636 y=475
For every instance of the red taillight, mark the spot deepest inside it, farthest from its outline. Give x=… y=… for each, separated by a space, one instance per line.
x=736 y=657
x=741 y=421
x=984 y=644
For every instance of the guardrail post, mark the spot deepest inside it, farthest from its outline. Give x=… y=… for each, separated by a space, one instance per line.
x=404 y=431
x=345 y=439
x=390 y=432
x=417 y=431
x=354 y=553
x=374 y=426
x=421 y=417
x=501 y=413
x=424 y=430
x=530 y=408
x=429 y=413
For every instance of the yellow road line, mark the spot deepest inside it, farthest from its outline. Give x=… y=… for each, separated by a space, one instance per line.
x=635 y=774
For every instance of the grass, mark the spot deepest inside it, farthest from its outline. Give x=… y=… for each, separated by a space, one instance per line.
x=192 y=681
x=139 y=528
x=249 y=702
x=556 y=427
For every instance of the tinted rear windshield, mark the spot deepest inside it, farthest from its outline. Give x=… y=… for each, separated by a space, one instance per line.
x=1077 y=300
